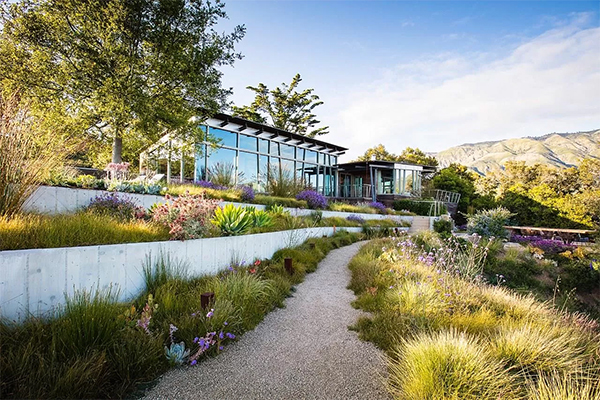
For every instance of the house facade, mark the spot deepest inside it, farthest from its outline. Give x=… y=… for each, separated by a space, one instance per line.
x=254 y=151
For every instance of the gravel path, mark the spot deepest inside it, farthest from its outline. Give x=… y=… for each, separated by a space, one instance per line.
x=303 y=351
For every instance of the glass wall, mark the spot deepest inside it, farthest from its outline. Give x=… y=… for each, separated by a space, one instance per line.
x=250 y=158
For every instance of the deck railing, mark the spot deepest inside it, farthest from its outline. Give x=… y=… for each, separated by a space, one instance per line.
x=355 y=191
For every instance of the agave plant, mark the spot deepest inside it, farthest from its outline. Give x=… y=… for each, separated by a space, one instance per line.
x=276 y=209
x=261 y=219
x=177 y=353
x=232 y=220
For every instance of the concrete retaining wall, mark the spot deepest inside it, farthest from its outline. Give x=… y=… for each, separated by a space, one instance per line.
x=36 y=281
x=56 y=200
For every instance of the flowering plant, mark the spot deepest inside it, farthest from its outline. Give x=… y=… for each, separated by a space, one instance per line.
x=121 y=207
x=380 y=207
x=187 y=216
x=209 y=185
x=547 y=246
x=313 y=199
x=247 y=193
x=210 y=340
x=355 y=218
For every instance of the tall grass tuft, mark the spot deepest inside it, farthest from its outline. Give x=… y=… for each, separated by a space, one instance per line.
x=448 y=365
x=160 y=270
x=27 y=154
x=569 y=386
x=540 y=347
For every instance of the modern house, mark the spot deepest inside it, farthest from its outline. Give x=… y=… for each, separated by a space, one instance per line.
x=253 y=150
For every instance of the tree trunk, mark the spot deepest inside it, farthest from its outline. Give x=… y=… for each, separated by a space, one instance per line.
x=117 y=149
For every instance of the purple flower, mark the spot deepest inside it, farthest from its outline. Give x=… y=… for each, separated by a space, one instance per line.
x=221 y=335
x=220 y=347
x=230 y=335
x=378 y=206
x=194 y=362
x=247 y=193
x=201 y=343
x=225 y=323
x=355 y=218
x=210 y=313
x=313 y=199
x=196 y=339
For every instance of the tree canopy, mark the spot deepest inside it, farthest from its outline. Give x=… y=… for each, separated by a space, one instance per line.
x=408 y=155
x=284 y=108
x=118 y=69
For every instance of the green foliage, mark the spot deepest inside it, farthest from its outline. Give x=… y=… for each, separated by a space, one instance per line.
x=123 y=70
x=32 y=231
x=488 y=223
x=287 y=109
x=457 y=178
x=417 y=207
x=280 y=201
x=232 y=220
x=546 y=196
x=261 y=219
x=443 y=226
x=408 y=155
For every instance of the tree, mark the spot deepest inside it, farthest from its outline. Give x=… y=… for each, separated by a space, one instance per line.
x=121 y=69
x=408 y=155
x=284 y=108
x=378 y=153
x=416 y=156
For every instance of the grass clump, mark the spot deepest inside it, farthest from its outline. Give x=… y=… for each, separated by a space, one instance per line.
x=28 y=231
x=447 y=365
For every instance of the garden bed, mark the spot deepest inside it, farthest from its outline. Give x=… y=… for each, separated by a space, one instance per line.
x=97 y=347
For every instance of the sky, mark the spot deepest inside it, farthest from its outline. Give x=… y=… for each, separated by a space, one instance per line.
x=426 y=74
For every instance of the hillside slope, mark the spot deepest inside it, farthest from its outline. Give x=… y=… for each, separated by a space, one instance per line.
x=557 y=149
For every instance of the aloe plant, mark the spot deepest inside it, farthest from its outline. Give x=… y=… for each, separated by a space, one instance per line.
x=261 y=219
x=232 y=220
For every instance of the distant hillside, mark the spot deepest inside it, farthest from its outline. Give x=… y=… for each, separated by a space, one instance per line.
x=557 y=149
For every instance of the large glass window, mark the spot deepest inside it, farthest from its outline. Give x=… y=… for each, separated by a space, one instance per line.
x=221 y=161
x=310 y=175
x=225 y=138
x=248 y=143
x=248 y=168
x=274 y=148
x=263 y=146
x=311 y=156
x=299 y=153
x=287 y=151
x=263 y=171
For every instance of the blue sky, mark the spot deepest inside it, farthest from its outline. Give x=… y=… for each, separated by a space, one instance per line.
x=427 y=74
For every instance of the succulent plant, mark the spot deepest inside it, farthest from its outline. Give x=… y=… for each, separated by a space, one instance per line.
x=232 y=220
x=177 y=353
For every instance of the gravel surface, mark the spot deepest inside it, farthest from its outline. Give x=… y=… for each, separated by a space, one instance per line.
x=303 y=351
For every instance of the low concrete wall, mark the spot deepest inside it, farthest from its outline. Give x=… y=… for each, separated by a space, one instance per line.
x=36 y=281
x=56 y=200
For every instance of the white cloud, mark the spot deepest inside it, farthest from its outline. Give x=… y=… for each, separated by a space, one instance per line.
x=549 y=84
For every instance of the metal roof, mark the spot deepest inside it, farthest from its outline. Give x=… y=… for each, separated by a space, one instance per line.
x=262 y=130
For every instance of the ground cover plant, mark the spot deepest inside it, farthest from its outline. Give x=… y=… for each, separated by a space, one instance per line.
x=29 y=231
x=96 y=347
x=448 y=333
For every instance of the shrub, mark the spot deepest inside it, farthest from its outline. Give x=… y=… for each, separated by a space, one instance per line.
x=135 y=187
x=282 y=201
x=489 y=222
x=442 y=226
x=316 y=216
x=187 y=216
x=417 y=207
x=232 y=220
x=89 y=182
x=209 y=185
x=548 y=246
x=120 y=207
x=313 y=199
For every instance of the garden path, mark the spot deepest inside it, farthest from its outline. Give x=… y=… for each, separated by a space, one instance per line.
x=303 y=351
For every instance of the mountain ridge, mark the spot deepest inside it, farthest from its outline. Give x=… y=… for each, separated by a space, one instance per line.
x=561 y=150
